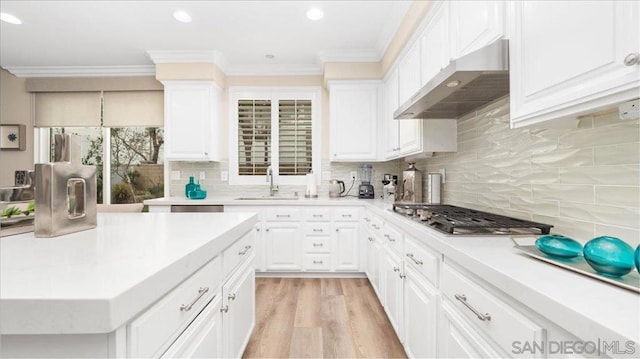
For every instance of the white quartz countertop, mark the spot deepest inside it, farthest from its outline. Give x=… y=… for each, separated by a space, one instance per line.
x=263 y=201
x=96 y=280
x=568 y=299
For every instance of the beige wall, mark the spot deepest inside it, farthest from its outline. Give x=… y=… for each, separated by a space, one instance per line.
x=15 y=108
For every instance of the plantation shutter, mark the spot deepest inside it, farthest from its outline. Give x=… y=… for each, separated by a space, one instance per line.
x=295 y=147
x=254 y=136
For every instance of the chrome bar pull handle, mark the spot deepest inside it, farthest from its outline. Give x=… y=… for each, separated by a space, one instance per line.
x=201 y=292
x=244 y=251
x=224 y=309
x=463 y=299
x=418 y=262
x=232 y=296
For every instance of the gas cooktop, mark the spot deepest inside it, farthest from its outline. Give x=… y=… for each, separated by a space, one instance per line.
x=464 y=221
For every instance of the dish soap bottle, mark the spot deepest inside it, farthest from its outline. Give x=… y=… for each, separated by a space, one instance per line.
x=189 y=187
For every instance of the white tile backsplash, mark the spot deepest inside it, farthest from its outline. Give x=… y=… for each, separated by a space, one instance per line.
x=585 y=181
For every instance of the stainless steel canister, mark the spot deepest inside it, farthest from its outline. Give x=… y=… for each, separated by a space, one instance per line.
x=434 y=188
x=412 y=185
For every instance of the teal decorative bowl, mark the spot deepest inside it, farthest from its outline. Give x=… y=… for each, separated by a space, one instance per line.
x=609 y=255
x=559 y=246
x=636 y=258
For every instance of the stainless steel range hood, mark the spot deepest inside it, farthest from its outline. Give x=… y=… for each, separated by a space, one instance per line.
x=464 y=85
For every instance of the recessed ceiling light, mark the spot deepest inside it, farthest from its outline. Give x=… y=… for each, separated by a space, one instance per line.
x=453 y=83
x=269 y=56
x=315 y=14
x=10 y=18
x=182 y=16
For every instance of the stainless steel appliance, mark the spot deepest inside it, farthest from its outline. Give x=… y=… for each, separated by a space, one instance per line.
x=390 y=187
x=366 y=188
x=464 y=221
x=434 y=188
x=411 y=184
x=66 y=191
x=464 y=85
x=336 y=188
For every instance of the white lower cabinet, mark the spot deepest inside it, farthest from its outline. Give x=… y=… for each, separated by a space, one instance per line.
x=283 y=246
x=458 y=340
x=421 y=302
x=346 y=247
x=202 y=339
x=393 y=284
x=238 y=311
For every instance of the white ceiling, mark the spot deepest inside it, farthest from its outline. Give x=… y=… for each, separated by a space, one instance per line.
x=104 y=34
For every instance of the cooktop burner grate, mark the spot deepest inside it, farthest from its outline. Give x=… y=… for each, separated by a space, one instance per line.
x=459 y=220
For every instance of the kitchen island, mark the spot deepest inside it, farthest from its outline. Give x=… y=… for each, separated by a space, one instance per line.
x=110 y=291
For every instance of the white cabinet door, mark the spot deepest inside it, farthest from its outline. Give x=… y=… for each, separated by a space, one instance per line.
x=474 y=24
x=556 y=73
x=409 y=74
x=202 y=339
x=420 y=313
x=238 y=311
x=346 y=247
x=457 y=339
x=410 y=136
x=353 y=120
x=283 y=246
x=391 y=147
x=392 y=268
x=192 y=116
x=435 y=44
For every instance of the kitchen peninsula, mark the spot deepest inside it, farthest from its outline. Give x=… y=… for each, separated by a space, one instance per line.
x=138 y=285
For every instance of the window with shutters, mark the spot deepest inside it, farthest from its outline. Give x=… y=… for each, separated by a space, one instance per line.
x=277 y=128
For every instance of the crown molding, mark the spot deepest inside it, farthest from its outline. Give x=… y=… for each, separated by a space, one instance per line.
x=81 y=71
x=355 y=55
x=188 y=56
x=273 y=70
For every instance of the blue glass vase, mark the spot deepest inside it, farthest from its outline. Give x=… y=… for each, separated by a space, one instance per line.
x=559 y=246
x=609 y=255
x=636 y=258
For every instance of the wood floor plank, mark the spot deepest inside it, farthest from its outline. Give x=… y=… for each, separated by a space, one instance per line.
x=306 y=343
x=308 y=306
x=328 y=318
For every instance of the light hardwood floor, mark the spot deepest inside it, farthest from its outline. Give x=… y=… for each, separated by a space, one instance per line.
x=320 y=318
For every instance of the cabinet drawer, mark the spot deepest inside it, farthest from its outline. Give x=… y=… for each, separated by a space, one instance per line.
x=346 y=214
x=422 y=259
x=497 y=319
x=152 y=332
x=282 y=214
x=392 y=238
x=317 y=229
x=317 y=262
x=375 y=224
x=237 y=252
x=318 y=244
x=317 y=215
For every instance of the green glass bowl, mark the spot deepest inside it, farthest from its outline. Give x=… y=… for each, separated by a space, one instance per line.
x=609 y=255
x=559 y=246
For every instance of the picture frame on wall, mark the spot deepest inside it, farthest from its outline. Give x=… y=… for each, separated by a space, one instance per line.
x=13 y=137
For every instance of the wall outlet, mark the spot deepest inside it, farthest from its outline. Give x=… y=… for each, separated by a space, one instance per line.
x=629 y=110
x=202 y=175
x=354 y=175
x=175 y=175
x=224 y=176
x=442 y=174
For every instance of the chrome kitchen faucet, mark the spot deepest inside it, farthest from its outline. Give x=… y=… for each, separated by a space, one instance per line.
x=272 y=188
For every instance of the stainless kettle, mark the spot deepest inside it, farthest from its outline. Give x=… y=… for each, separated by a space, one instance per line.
x=336 y=188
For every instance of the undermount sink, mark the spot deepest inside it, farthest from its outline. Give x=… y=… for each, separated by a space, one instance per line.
x=266 y=198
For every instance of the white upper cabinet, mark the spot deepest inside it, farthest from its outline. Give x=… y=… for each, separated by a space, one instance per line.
x=475 y=24
x=556 y=73
x=435 y=44
x=354 y=107
x=391 y=146
x=192 y=120
x=409 y=74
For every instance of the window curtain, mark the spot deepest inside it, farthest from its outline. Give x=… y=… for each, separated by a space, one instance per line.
x=133 y=109
x=67 y=109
